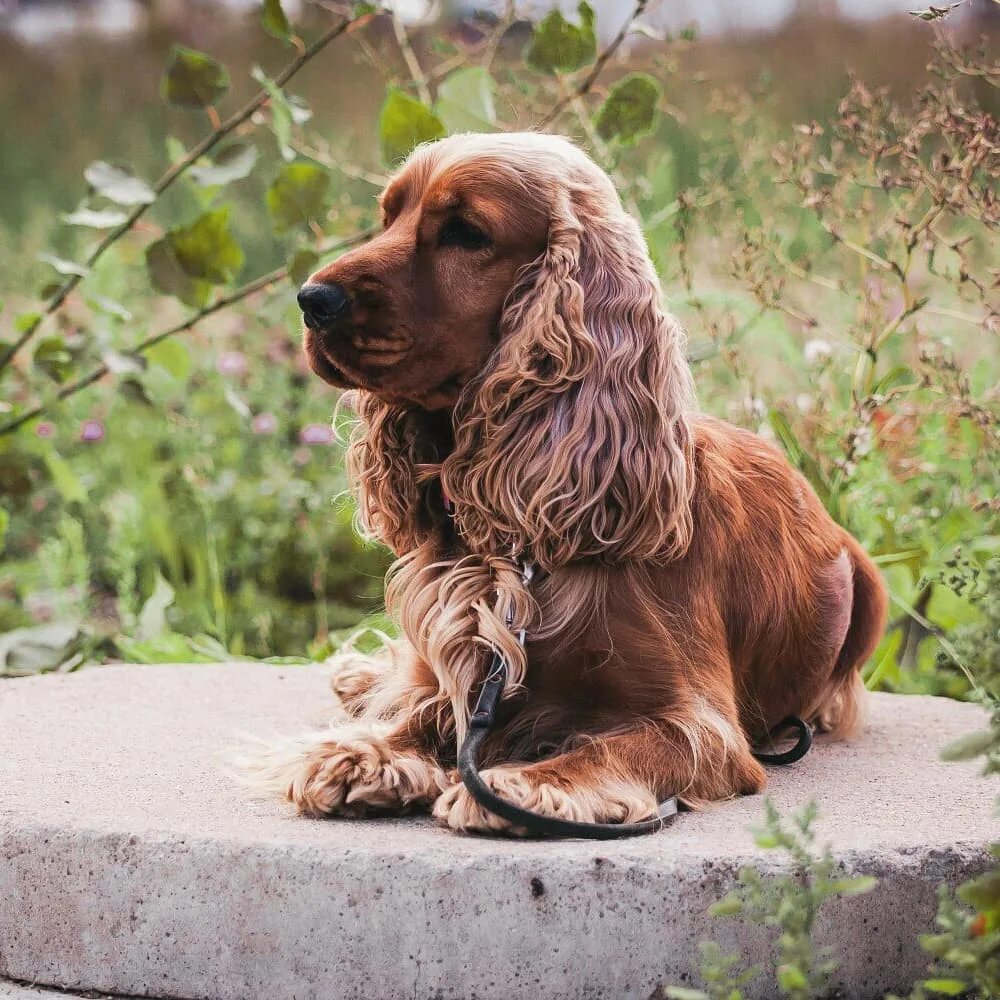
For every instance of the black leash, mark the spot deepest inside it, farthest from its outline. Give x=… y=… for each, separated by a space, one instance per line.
x=483 y=720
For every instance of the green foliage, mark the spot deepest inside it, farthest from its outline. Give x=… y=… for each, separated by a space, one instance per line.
x=559 y=46
x=297 y=195
x=791 y=903
x=466 y=101
x=206 y=250
x=92 y=218
x=118 y=185
x=630 y=110
x=404 y=123
x=193 y=79
x=168 y=276
x=233 y=164
x=275 y=21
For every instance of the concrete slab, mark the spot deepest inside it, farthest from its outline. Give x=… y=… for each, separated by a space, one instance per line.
x=130 y=864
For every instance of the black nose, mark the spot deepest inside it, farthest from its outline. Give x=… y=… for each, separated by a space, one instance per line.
x=321 y=304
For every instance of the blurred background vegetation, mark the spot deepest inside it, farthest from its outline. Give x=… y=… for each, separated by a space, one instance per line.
x=819 y=194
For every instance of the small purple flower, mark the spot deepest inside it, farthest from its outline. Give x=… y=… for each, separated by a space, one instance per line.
x=265 y=423
x=45 y=429
x=91 y=430
x=316 y=434
x=231 y=363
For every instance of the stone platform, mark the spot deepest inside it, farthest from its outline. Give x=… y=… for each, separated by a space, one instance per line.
x=130 y=864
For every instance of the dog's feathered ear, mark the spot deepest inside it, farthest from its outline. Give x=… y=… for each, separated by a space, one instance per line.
x=574 y=442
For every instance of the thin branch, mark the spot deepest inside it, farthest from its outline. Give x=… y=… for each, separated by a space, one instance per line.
x=410 y=57
x=585 y=85
x=173 y=173
x=224 y=302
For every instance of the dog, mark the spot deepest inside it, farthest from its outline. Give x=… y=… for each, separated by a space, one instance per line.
x=522 y=395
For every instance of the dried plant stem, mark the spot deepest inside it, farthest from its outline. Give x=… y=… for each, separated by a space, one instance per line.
x=223 y=302
x=410 y=57
x=177 y=170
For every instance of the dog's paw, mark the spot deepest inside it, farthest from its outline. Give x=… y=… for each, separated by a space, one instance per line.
x=607 y=801
x=352 y=676
x=350 y=770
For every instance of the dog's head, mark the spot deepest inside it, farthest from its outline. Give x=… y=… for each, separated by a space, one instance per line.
x=415 y=313
x=511 y=298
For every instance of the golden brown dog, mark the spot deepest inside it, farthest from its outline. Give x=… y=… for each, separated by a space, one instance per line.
x=508 y=357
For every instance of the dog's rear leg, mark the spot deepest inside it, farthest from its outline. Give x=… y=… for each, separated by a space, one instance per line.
x=839 y=708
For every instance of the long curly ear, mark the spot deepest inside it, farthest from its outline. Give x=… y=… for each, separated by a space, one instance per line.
x=393 y=462
x=574 y=442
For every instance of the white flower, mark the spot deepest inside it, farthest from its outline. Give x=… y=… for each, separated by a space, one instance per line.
x=816 y=351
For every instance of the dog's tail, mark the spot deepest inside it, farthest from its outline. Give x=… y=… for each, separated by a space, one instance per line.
x=840 y=708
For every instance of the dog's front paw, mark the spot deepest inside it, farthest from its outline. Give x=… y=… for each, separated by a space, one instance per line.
x=352 y=675
x=606 y=801
x=357 y=773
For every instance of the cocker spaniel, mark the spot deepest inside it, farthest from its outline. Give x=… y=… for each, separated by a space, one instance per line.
x=522 y=395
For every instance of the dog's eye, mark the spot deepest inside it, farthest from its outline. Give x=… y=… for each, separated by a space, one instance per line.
x=456 y=232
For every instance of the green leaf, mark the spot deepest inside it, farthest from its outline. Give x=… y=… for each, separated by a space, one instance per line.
x=52 y=358
x=152 y=621
x=790 y=978
x=302 y=264
x=91 y=218
x=854 y=886
x=281 y=113
x=123 y=363
x=983 y=892
x=109 y=307
x=206 y=250
x=274 y=21
x=465 y=101
x=297 y=195
x=557 y=45
x=4 y=521
x=63 y=266
x=949 y=987
x=167 y=275
x=232 y=164
x=25 y=321
x=969 y=746
x=630 y=110
x=171 y=355
x=766 y=840
x=118 y=185
x=728 y=906
x=37 y=648
x=64 y=478
x=193 y=79
x=404 y=123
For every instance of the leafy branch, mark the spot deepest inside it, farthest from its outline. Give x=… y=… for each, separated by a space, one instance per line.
x=223 y=302
x=177 y=170
x=586 y=84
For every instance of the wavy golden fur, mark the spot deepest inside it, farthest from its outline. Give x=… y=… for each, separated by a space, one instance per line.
x=507 y=354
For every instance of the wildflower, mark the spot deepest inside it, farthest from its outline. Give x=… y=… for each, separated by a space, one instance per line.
x=91 y=430
x=816 y=351
x=316 y=434
x=301 y=456
x=231 y=363
x=264 y=423
x=45 y=429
